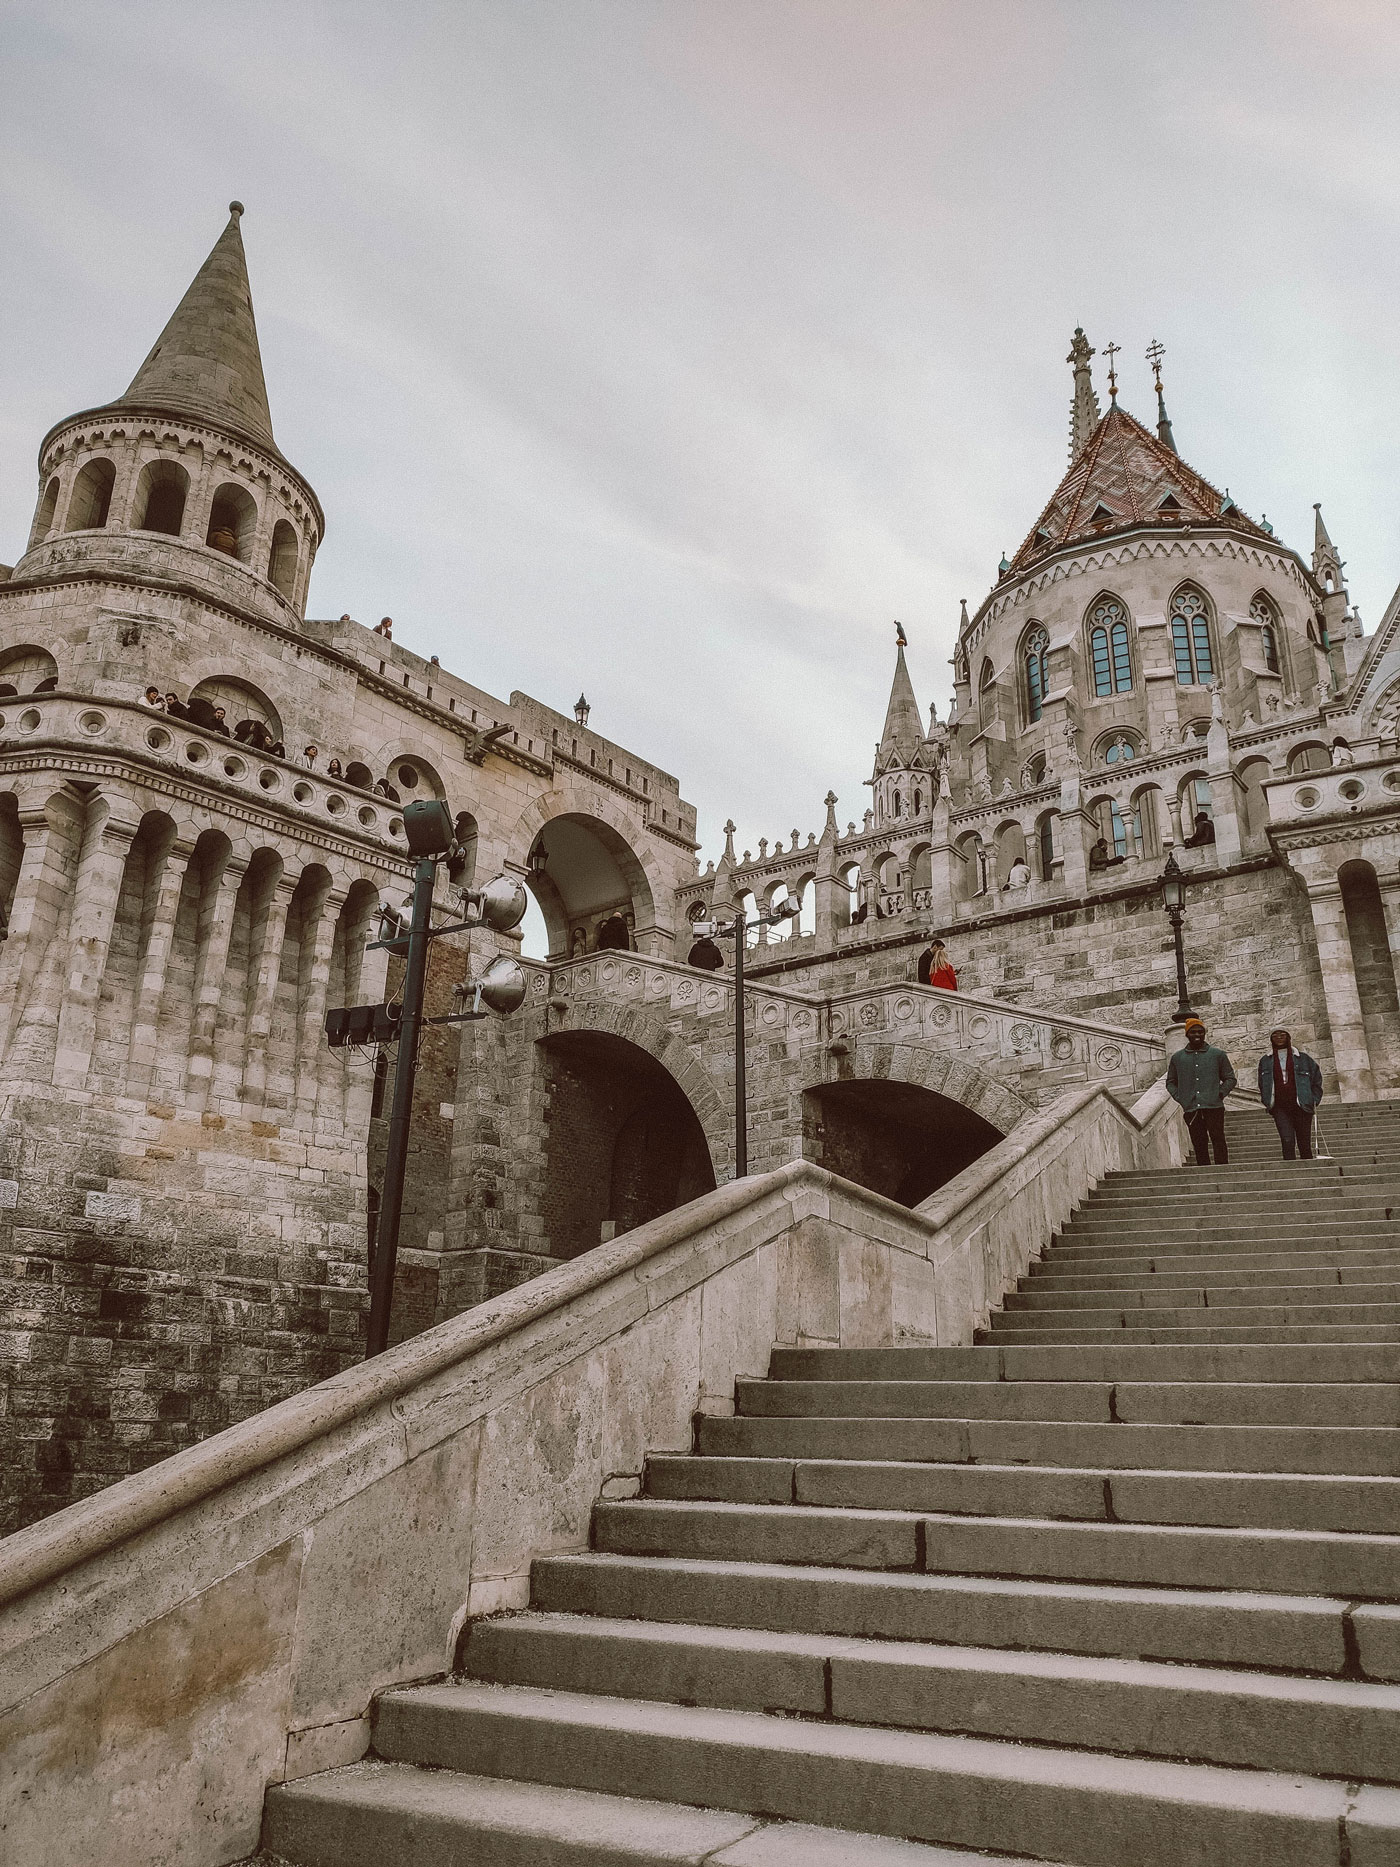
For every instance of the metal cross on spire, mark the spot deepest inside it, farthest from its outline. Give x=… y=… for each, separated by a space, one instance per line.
x=1111 y=351
x=1155 y=352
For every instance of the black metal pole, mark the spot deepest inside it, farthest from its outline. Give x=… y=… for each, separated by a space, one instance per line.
x=741 y=1094
x=386 y=1248
x=1183 y=1009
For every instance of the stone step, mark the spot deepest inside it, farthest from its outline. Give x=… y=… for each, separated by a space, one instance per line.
x=1273 y=1192
x=1274 y=1632
x=373 y=1813
x=1319 y=1292
x=1239 y=1176
x=1122 y=1362
x=1103 y=1494
x=1323 y=1562
x=1346 y=1311
x=1109 y=1260
x=1262 y=1267
x=1312 y=1334
x=1319 y=1727
x=1359 y=1450
x=1093 y=1809
x=1136 y=1400
x=1226 y=1233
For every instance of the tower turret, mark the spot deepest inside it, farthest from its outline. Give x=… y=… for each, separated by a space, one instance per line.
x=902 y=763
x=180 y=478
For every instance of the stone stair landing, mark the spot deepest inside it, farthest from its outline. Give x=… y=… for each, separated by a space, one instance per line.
x=1118 y=1586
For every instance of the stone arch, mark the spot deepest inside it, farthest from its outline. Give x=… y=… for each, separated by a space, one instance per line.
x=162 y=491
x=240 y=700
x=24 y=666
x=623 y=1142
x=45 y=511
x=649 y=895
x=949 y=1073
x=413 y=775
x=1374 y=968
x=282 y=559
x=233 y=521
x=902 y=1119
x=91 y=498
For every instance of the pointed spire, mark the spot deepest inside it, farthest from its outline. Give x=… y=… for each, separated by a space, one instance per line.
x=904 y=723
x=1327 y=562
x=1084 y=409
x=1155 y=352
x=206 y=361
x=830 y=832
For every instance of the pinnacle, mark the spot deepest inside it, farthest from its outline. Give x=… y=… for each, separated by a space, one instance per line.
x=206 y=362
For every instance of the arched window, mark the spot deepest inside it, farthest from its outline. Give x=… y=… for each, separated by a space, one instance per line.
x=986 y=688
x=1109 y=655
x=1037 y=656
x=1191 y=639
x=92 y=497
x=161 y=492
x=918 y=803
x=898 y=804
x=282 y=559
x=43 y=518
x=233 y=519
x=1118 y=750
x=1120 y=829
x=1262 y=611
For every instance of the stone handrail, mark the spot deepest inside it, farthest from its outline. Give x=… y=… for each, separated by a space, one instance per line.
x=222 y=1620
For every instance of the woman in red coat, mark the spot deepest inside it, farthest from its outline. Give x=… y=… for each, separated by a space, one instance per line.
x=935 y=968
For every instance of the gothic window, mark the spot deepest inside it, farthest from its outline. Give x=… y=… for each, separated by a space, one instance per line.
x=1109 y=656
x=898 y=805
x=918 y=803
x=986 y=689
x=1191 y=639
x=1033 y=772
x=1261 y=610
x=1037 y=654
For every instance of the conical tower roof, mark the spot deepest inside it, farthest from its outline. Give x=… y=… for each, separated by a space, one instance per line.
x=1126 y=477
x=904 y=725
x=206 y=361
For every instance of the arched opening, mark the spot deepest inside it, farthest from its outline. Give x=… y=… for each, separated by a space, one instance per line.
x=1192 y=651
x=11 y=854
x=43 y=518
x=920 y=872
x=358 y=774
x=161 y=492
x=898 y=1139
x=591 y=880
x=1197 y=811
x=1110 y=652
x=1011 y=856
x=92 y=497
x=233 y=519
x=1047 y=843
x=248 y=714
x=282 y=559
x=1147 y=820
x=412 y=776
x=849 y=899
x=975 y=878
x=1312 y=756
x=24 y=668
x=1374 y=969
x=622 y=1142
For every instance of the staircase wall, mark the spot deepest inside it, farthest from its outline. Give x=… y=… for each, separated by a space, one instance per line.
x=196 y=1632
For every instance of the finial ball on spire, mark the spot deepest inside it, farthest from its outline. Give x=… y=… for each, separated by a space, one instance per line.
x=235 y=208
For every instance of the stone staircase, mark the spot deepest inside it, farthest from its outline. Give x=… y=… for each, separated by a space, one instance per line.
x=1115 y=1587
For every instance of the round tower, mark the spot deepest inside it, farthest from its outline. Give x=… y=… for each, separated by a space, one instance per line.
x=180 y=478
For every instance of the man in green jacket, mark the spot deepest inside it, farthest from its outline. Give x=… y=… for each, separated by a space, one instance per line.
x=1199 y=1078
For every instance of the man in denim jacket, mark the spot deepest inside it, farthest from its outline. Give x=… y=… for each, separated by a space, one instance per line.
x=1290 y=1087
x=1199 y=1078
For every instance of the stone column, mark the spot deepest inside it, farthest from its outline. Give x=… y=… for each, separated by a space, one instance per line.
x=266 y=968
x=1174 y=815
x=1355 y=1081
x=311 y=1037
x=41 y=894
x=215 y=932
x=150 y=985
x=1077 y=833
x=96 y=892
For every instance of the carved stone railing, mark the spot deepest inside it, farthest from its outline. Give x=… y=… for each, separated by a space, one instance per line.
x=1039 y=1052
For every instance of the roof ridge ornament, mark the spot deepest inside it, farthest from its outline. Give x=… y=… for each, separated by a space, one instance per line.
x=1111 y=350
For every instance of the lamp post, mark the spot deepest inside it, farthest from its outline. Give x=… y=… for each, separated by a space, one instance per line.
x=787 y=909
x=500 y=906
x=1174 y=901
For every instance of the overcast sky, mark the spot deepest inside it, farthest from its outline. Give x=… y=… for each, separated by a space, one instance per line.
x=669 y=349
